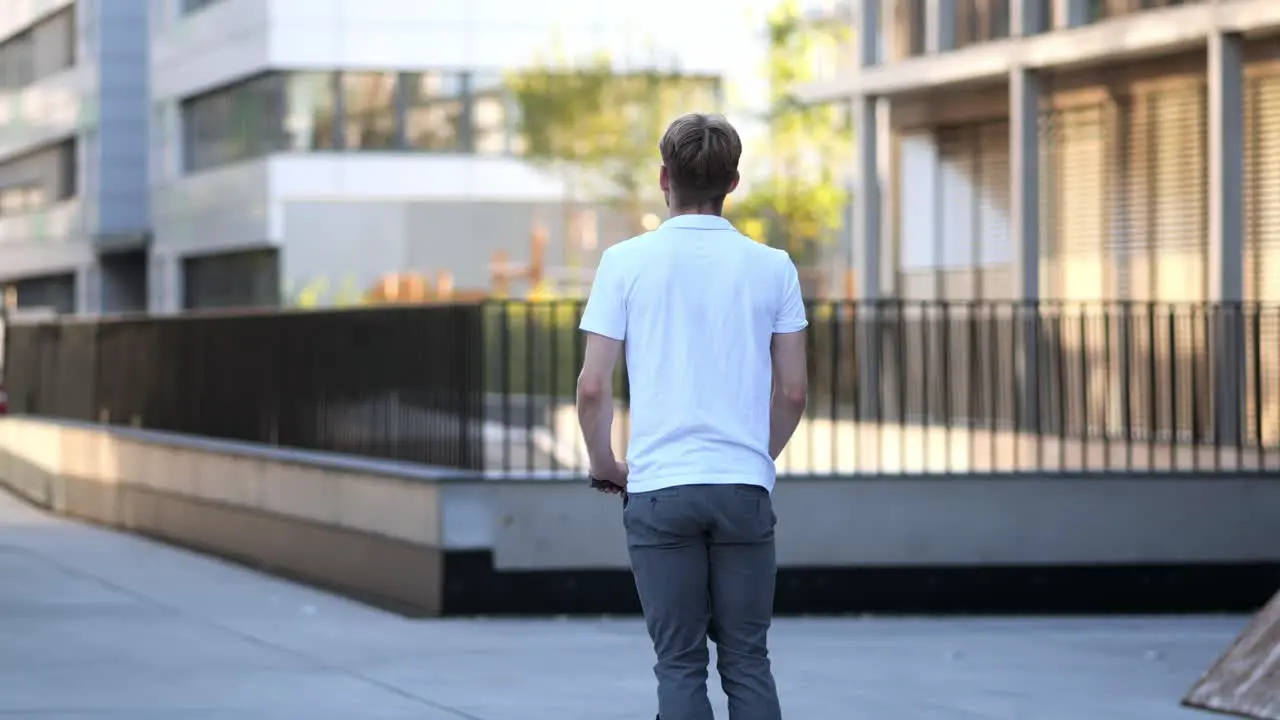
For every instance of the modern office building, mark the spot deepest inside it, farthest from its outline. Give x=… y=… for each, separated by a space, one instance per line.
x=1067 y=149
x=345 y=139
x=73 y=142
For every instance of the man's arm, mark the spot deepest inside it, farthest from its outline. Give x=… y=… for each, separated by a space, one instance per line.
x=595 y=405
x=790 y=389
x=604 y=320
x=790 y=369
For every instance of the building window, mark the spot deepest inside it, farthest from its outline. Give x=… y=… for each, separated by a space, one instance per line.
x=68 y=170
x=232 y=280
x=235 y=123
x=18 y=61
x=494 y=117
x=46 y=48
x=20 y=199
x=364 y=111
x=208 y=130
x=434 y=111
x=978 y=21
x=190 y=6
x=369 y=110
x=259 y=110
x=54 y=43
x=39 y=178
x=310 y=107
x=907 y=27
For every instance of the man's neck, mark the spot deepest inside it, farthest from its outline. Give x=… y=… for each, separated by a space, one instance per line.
x=704 y=210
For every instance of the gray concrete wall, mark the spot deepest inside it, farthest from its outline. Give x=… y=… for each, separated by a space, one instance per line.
x=217 y=211
x=957 y=521
x=903 y=522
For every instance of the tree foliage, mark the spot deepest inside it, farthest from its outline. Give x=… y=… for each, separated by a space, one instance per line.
x=598 y=125
x=798 y=199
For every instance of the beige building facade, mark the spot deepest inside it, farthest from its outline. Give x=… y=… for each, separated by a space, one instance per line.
x=1066 y=149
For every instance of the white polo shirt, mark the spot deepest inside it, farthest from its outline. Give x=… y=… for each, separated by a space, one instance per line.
x=697 y=303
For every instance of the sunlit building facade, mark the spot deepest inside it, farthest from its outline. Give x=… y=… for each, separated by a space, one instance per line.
x=73 y=142
x=1066 y=149
x=339 y=141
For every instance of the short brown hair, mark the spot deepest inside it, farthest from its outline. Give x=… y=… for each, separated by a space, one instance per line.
x=701 y=154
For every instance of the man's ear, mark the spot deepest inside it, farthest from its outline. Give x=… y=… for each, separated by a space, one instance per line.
x=733 y=185
x=664 y=181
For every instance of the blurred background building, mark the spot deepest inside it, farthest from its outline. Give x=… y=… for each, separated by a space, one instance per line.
x=210 y=153
x=1066 y=149
x=74 y=201
x=298 y=142
x=176 y=154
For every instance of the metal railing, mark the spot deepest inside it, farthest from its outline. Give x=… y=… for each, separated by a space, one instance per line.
x=947 y=388
x=896 y=388
x=397 y=383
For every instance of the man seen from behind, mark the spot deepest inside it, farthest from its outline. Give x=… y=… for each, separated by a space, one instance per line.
x=713 y=329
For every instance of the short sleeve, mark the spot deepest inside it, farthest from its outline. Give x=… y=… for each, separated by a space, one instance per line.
x=606 y=311
x=790 y=317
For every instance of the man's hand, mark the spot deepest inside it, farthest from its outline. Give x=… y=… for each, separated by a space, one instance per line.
x=614 y=478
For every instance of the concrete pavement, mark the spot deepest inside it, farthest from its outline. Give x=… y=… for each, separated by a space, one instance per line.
x=96 y=625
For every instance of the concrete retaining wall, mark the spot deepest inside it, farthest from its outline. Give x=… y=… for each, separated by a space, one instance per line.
x=369 y=535
x=427 y=541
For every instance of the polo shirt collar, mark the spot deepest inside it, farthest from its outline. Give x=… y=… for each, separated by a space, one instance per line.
x=697 y=222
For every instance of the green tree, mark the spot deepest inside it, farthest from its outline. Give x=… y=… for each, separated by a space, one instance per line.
x=598 y=126
x=797 y=199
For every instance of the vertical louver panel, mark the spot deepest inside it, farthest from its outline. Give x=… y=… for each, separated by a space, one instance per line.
x=1262 y=251
x=958 y=195
x=1165 y=186
x=1181 y=192
x=995 y=249
x=972 y=236
x=1160 y=241
x=1134 y=226
x=1262 y=189
x=1075 y=198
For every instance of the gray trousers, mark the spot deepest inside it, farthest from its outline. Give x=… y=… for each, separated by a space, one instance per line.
x=704 y=563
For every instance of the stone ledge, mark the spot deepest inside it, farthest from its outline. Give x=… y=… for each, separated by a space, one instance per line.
x=371 y=536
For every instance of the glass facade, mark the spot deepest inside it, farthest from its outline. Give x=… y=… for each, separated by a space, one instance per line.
x=46 y=48
x=348 y=111
x=20 y=199
x=495 y=117
x=435 y=111
x=310 y=109
x=370 y=112
x=232 y=280
x=190 y=6
x=37 y=179
x=235 y=123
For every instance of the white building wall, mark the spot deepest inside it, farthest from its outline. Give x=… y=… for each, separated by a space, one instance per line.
x=198 y=52
x=237 y=38
x=246 y=204
x=16 y=15
x=53 y=239
x=99 y=102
